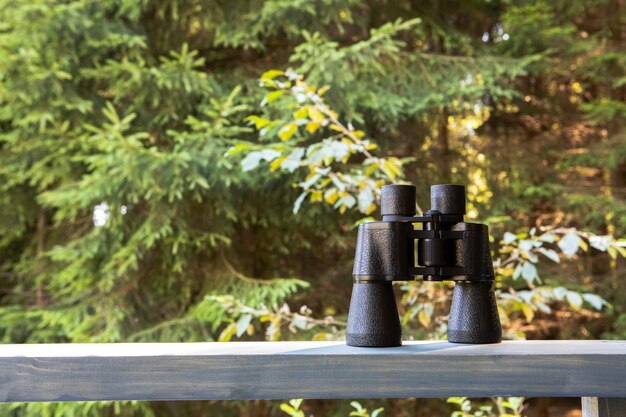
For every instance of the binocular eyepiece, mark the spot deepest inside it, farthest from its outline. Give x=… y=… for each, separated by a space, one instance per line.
x=447 y=249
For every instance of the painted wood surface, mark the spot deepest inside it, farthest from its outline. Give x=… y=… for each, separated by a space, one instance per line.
x=589 y=406
x=282 y=370
x=612 y=407
x=604 y=407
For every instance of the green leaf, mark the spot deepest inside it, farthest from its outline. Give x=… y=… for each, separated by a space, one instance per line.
x=509 y=238
x=596 y=301
x=547 y=237
x=296 y=402
x=559 y=293
x=569 y=244
x=242 y=324
x=299 y=321
x=298 y=202
x=529 y=272
x=526 y=245
x=309 y=181
x=357 y=406
x=348 y=201
x=574 y=299
x=601 y=243
x=550 y=254
x=339 y=150
x=365 y=199
x=253 y=159
x=293 y=161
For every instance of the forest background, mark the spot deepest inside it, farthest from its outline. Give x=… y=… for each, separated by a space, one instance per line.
x=182 y=171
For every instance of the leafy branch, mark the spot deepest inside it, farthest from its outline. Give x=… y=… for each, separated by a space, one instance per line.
x=276 y=318
x=342 y=169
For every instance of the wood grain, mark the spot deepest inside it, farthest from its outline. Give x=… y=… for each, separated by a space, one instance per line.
x=612 y=407
x=263 y=370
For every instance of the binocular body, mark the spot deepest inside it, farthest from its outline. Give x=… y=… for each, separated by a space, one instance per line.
x=447 y=249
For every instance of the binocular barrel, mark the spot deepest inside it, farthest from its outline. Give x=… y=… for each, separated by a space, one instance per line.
x=448 y=199
x=447 y=249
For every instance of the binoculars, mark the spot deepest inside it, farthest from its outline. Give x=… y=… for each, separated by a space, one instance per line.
x=447 y=249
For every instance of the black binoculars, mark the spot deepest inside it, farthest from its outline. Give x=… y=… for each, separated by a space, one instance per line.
x=447 y=249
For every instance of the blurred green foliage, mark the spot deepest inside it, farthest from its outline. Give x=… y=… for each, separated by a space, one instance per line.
x=153 y=153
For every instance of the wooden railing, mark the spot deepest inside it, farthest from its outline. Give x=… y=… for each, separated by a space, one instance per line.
x=593 y=370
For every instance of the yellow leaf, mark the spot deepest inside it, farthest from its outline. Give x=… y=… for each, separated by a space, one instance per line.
x=316 y=196
x=528 y=312
x=228 y=333
x=301 y=113
x=259 y=122
x=423 y=318
x=370 y=170
x=370 y=209
x=323 y=90
x=287 y=131
x=273 y=95
x=311 y=127
x=331 y=196
x=336 y=128
x=316 y=115
x=621 y=250
x=325 y=182
x=276 y=163
x=358 y=133
x=385 y=167
x=612 y=252
x=391 y=167
x=271 y=74
x=320 y=337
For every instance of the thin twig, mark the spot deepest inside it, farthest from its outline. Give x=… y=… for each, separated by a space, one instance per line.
x=243 y=277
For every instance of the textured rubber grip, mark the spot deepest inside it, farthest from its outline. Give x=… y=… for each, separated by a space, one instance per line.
x=448 y=198
x=474 y=314
x=384 y=251
x=373 y=317
x=397 y=200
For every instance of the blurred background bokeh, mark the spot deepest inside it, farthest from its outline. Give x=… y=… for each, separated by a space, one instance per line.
x=183 y=171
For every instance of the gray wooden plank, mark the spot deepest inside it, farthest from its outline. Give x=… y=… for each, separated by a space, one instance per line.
x=263 y=370
x=590 y=406
x=612 y=407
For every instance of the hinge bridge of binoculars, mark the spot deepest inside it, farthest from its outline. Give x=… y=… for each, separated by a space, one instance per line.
x=436 y=234
x=440 y=273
